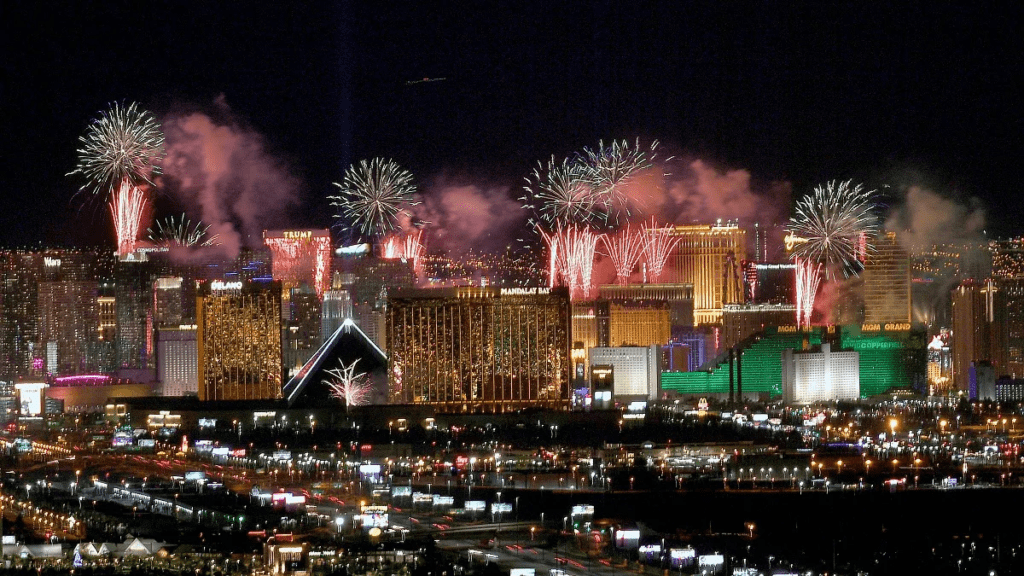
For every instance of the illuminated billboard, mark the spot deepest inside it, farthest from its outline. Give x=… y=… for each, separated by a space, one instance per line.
x=711 y=560
x=682 y=557
x=627 y=539
x=585 y=511
x=30 y=396
x=374 y=517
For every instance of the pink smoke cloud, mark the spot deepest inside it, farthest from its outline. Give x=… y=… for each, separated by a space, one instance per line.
x=224 y=172
x=462 y=217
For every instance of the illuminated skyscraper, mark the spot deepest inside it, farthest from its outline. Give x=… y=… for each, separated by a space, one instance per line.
x=479 y=349
x=639 y=323
x=301 y=261
x=177 y=367
x=167 y=301
x=709 y=256
x=68 y=317
x=239 y=340
x=133 y=294
x=974 y=329
x=69 y=341
x=887 y=282
x=302 y=332
x=1010 y=323
x=300 y=257
x=337 y=307
x=679 y=298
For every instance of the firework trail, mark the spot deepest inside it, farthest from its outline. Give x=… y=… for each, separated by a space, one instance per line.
x=833 y=225
x=292 y=258
x=126 y=206
x=808 y=277
x=413 y=250
x=608 y=169
x=559 y=195
x=571 y=253
x=392 y=248
x=555 y=257
x=406 y=247
x=582 y=249
x=171 y=233
x=624 y=249
x=658 y=244
x=346 y=385
x=373 y=194
x=123 y=144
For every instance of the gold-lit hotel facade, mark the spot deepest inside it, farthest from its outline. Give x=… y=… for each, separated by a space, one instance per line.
x=709 y=257
x=239 y=340
x=479 y=349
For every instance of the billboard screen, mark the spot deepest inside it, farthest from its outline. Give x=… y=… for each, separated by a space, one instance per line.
x=711 y=560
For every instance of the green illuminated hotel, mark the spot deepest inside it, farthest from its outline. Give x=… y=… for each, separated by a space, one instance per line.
x=891 y=356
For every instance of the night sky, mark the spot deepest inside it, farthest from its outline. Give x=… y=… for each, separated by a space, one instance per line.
x=886 y=93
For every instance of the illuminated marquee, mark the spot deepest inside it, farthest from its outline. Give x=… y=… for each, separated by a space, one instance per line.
x=888 y=327
x=525 y=291
x=220 y=285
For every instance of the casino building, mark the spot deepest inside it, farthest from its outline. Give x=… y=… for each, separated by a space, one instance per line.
x=239 y=340
x=479 y=349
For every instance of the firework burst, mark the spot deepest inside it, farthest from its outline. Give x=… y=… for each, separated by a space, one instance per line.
x=127 y=206
x=373 y=194
x=658 y=244
x=124 y=144
x=558 y=194
x=832 y=225
x=173 y=232
x=624 y=249
x=354 y=389
x=608 y=169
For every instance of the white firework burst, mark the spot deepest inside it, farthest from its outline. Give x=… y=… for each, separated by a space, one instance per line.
x=373 y=194
x=832 y=225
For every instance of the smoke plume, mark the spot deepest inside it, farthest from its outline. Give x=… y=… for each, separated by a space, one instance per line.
x=923 y=218
x=694 y=192
x=463 y=216
x=222 y=171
